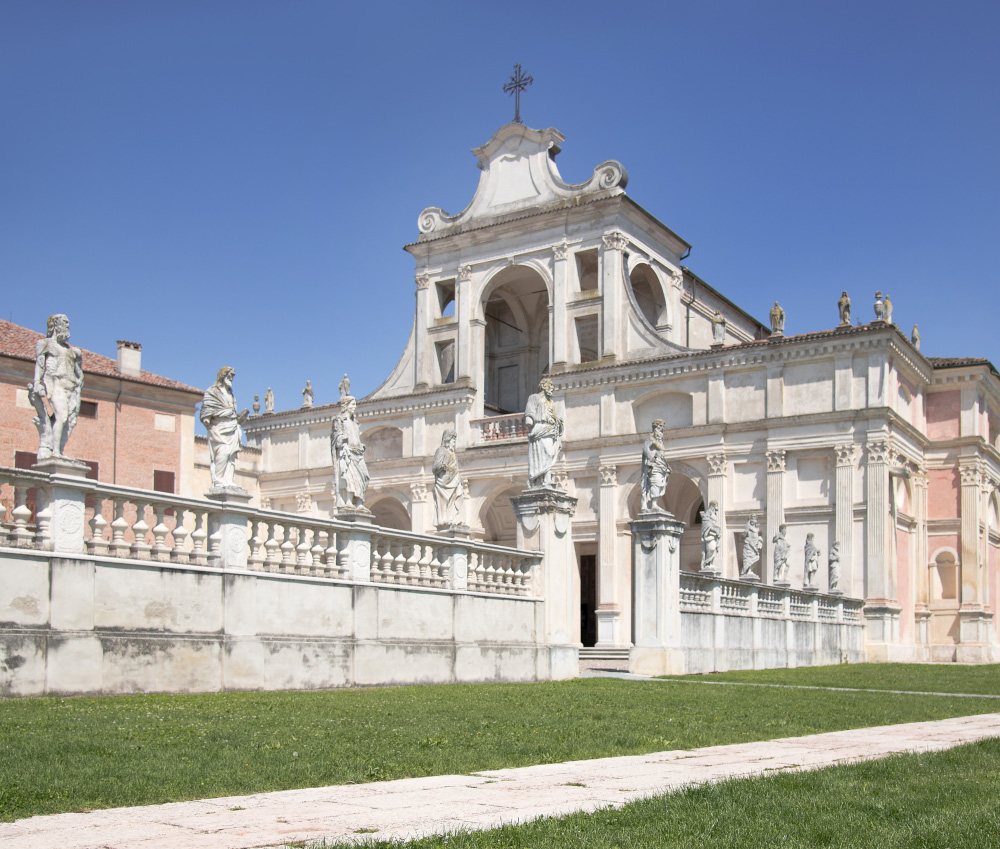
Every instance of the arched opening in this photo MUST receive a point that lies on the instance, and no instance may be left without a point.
(498, 520)
(516, 310)
(648, 294)
(390, 513)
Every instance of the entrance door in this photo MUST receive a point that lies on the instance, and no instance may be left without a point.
(588, 599)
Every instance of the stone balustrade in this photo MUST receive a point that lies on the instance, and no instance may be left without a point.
(499, 428)
(704, 594)
(125, 523)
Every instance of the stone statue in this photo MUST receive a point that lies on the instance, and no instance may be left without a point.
(449, 490)
(307, 395)
(811, 561)
(256, 405)
(269, 401)
(777, 320)
(545, 431)
(835, 567)
(844, 305)
(718, 329)
(225, 436)
(58, 377)
(781, 549)
(350, 468)
(345, 388)
(915, 337)
(887, 310)
(879, 307)
(752, 545)
(655, 469)
(711, 534)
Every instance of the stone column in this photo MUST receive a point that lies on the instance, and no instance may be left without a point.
(477, 362)
(717, 467)
(612, 246)
(844, 514)
(973, 620)
(421, 355)
(418, 507)
(557, 322)
(228, 524)
(464, 353)
(775, 510)
(609, 610)
(656, 611)
(921, 611)
(881, 609)
(62, 503)
(544, 523)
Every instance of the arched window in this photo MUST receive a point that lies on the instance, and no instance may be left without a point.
(648, 294)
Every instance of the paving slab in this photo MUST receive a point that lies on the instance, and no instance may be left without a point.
(415, 807)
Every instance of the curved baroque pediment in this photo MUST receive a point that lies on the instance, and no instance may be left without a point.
(519, 173)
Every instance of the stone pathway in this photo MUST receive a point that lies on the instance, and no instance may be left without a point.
(415, 807)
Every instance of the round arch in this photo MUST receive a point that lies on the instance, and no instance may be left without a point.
(390, 512)
(648, 292)
(497, 516)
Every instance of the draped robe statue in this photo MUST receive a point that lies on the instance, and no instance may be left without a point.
(449, 490)
(545, 431)
(225, 436)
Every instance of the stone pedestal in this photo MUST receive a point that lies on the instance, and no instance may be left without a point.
(62, 503)
(882, 631)
(544, 523)
(227, 526)
(657, 612)
(973, 629)
(456, 556)
(354, 547)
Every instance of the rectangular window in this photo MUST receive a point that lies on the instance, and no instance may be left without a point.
(24, 459)
(446, 360)
(88, 409)
(586, 270)
(586, 338)
(163, 481)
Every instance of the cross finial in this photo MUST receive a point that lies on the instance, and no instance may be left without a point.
(518, 83)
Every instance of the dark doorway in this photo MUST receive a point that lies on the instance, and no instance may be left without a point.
(588, 599)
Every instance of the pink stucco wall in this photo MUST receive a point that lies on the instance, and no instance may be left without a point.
(944, 410)
(943, 494)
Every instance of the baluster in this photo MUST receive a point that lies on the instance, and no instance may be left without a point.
(399, 562)
(179, 553)
(97, 544)
(385, 561)
(43, 521)
(317, 553)
(287, 550)
(303, 560)
(140, 550)
(508, 575)
(479, 578)
(21, 535)
(413, 564)
(378, 544)
(119, 548)
(257, 552)
(273, 547)
(437, 568)
(199, 540)
(214, 542)
(332, 567)
(424, 565)
(160, 550)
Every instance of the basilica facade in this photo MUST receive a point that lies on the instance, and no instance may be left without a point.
(847, 435)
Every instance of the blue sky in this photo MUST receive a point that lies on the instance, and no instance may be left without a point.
(233, 182)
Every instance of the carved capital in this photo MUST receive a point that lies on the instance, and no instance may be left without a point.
(560, 477)
(614, 241)
(845, 454)
(418, 491)
(303, 502)
(561, 250)
(423, 281)
(775, 460)
(464, 273)
(677, 278)
(716, 464)
(878, 451)
(265, 504)
(609, 475)
(971, 474)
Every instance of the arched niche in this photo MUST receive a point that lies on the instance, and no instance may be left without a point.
(945, 577)
(497, 517)
(515, 309)
(675, 408)
(390, 513)
(647, 290)
(383, 443)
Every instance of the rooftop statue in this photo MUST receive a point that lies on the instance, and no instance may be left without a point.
(269, 401)
(777, 320)
(59, 378)
(449, 490)
(887, 310)
(844, 305)
(915, 337)
(225, 436)
(349, 466)
(307, 395)
(545, 432)
(655, 469)
(718, 329)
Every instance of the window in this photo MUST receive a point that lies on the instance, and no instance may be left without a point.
(88, 409)
(446, 297)
(446, 360)
(586, 269)
(163, 481)
(586, 338)
(24, 459)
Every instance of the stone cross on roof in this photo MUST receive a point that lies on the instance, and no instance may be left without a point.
(518, 83)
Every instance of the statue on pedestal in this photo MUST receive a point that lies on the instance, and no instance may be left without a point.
(752, 545)
(711, 534)
(545, 431)
(655, 469)
(269, 401)
(811, 563)
(835, 567)
(350, 468)
(781, 550)
(777, 320)
(887, 310)
(307, 395)
(449, 490)
(844, 305)
(225, 436)
(59, 378)
(718, 329)
(915, 337)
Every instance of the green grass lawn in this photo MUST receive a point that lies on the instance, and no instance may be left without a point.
(925, 801)
(930, 678)
(83, 753)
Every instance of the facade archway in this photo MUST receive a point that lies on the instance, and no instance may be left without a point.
(515, 308)
(390, 513)
(497, 517)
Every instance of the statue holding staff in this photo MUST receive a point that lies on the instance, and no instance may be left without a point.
(58, 378)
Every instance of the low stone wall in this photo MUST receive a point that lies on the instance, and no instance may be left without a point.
(90, 625)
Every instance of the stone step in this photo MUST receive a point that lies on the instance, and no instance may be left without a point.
(593, 653)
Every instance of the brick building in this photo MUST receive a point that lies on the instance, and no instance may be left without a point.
(135, 428)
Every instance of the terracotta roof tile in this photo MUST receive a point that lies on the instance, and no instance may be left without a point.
(19, 342)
